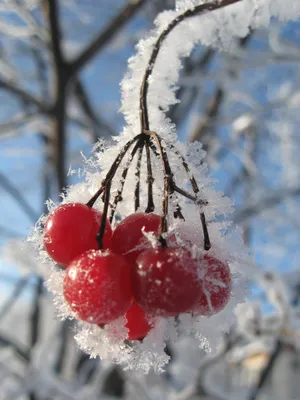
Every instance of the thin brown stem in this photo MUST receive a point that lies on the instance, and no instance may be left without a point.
(105, 36)
(177, 212)
(201, 9)
(100, 234)
(138, 178)
(200, 202)
(167, 176)
(150, 180)
(118, 196)
(113, 169)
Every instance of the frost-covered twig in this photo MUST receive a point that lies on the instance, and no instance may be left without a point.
(202, 8)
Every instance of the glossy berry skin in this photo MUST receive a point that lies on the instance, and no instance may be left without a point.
(137, 322)
(215, 286)
(128, 234)
(71, 229)
(164, 281)
(97, 287)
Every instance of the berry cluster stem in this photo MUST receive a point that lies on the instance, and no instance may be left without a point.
(150, 180)
(151, 140)
(201, 9)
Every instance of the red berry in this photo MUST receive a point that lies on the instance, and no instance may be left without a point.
(128, 239)
(97, 286)
(165, 281)
(71, 229)
(136, 322)
(215, 286)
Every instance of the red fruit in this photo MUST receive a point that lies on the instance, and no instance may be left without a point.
(165, 281)
(215, 286)
(71, 229)
(128, 239)
(136, 322)
(97, 287)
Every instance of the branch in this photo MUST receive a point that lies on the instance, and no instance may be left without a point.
(180, 110)
(266, 203)
(52, 13)
(15, 123)
(87, 108)
(17, 195)
(24, 96)
(267, 370)
(106, 35)
(210, 113)
(17, 291)
(15, 346)
(216, 102)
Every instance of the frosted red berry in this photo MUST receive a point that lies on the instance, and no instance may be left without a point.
(165, 281)
(215, 286)
(137, 322)
(71, 229)
(97, 287)
(128, 239)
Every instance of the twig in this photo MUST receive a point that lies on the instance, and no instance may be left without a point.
(105, 36)
(92, 115)
(24, 354)
(267, 370)
(177, 212)
(207, 244)
(138, 177)
(100, 234)
(24, 96)
(19, 198)
(118, 196)
(8, 304)
(202, 8)
(150, 180)
(113, 169)
(211, 111)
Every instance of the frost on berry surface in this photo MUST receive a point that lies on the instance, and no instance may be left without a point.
(213, 29)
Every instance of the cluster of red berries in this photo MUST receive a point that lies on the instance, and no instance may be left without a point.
(129, 277)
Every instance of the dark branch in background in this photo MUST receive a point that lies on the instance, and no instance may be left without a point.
(210, 113)
(52, 12)
(98, 125)
(4, 341)
(60, 78)
(217, 100)
(17, 291)
(9, 187)
(35, 320)
(105, 35)
(265, 204)
(36, 313)
(187, 96)
(278, 348)
(267, 370)
(63, 334)
(24, 96)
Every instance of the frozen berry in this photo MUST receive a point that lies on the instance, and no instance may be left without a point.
(71, 229)
(137, 322)
(165, 281)
(97, 286)
(215, 286)
(128, 238)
